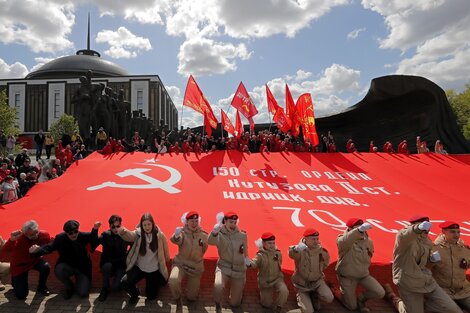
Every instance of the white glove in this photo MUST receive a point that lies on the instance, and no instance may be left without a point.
(425, 226)
(178, 231)
(217, 228)
(364, 227)
(247, 261)
(435, 257)
(300, 247)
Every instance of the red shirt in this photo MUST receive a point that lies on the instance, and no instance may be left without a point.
(21, 260)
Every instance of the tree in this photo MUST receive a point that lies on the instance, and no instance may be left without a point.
(7, 116)
(460, 104)
(466, 130)
(66, 124)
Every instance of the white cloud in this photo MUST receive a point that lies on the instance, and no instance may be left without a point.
(302, 75)
(355, 33)
(436, 30)
(15, 70)
(42, 26)
(202, 56)
(263, 18)
(123, 43)
(332, 92)
(143, 11)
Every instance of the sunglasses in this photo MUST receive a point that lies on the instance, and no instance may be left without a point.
(73, 232)
(115, 226)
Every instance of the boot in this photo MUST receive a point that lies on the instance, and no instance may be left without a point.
(316, 302)
(218, 308)
(103, 294)
(391, 296)
(361, 304)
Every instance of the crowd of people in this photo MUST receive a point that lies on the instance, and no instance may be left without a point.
(187, 141)
(429, 276)
(17, 175)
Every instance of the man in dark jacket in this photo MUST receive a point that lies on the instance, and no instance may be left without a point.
(113, 256)
(74, 259)
(39, 140)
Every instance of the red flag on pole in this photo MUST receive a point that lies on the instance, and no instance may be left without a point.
(194, 98)
(282, 121)
(243, 103)
(272, 103)
(207, 125)
(292, 113)
(304, 108)
(227, 125)
(238, 126)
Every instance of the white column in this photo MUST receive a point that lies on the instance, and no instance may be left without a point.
(17, 100)
(55, 102)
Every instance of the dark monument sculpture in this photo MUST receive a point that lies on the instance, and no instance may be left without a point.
(96, 105)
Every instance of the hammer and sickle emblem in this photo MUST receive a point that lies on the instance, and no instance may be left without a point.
(152, 182)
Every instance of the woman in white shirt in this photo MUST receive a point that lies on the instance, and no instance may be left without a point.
(146, 259)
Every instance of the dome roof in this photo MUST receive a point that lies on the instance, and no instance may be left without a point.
(73, 66)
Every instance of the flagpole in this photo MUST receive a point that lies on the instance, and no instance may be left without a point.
(182, 106)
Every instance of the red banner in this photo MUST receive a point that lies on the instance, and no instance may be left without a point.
(304, 108)
(292, 113)
(226, 124)
(273, 106)
(194, 98)
(243, 103)
(282, 121)
(281, 193)
(238, 126)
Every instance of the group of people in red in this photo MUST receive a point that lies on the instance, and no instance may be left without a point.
(265, 141)
(429, 275)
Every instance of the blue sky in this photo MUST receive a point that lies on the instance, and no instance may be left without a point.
(331, 49)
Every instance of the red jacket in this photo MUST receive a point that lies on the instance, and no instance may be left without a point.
(21, 260)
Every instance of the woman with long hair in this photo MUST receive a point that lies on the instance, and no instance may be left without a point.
(146, 259)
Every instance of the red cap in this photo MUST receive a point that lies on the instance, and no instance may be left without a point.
(449, 225)
(418, 218)
(353, 222)
(311, 232)
(192, 214)
(268, 236)
(231, 215)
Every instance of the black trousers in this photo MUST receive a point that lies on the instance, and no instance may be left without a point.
(20, 282)
(153, 282)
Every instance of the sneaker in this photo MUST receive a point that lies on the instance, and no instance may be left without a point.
(103, 294)
(44, 291)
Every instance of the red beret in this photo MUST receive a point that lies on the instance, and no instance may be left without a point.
(268, 236)
(353, 222)
(311, 232)
(192, 214)
(449, 225)
(231, 215)
(418, 218)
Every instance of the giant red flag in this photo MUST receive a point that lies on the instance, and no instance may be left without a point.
(238, 126)
(272, 103)
(226, 124)
(292, 113)
(304, 108)
(194, 98)
(243, 103)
